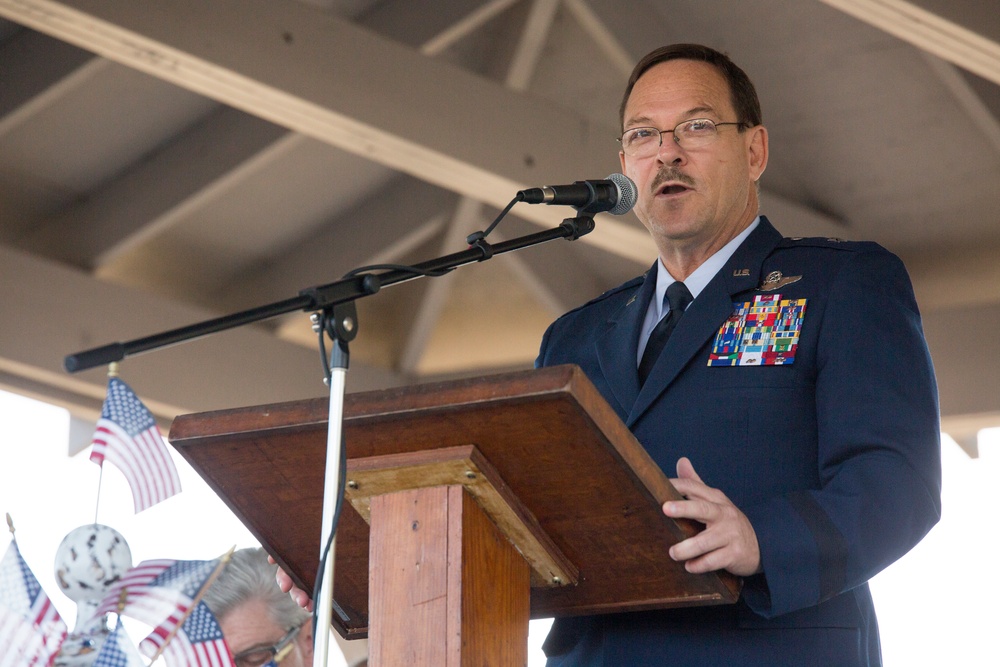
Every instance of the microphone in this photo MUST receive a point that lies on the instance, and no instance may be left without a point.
(616, 194)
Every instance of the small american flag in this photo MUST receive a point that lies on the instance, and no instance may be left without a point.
(136, 603)
(159, 592)
(197, 643)
(127, 436)
(31, 630)
(118, 650)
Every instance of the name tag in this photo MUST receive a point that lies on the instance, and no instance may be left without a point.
(762, 332)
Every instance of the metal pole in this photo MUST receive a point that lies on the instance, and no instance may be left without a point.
(331, 490)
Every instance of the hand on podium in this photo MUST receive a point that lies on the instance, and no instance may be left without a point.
(728, 541)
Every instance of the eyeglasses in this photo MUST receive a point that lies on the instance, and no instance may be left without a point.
(642, 142)
(258, 656)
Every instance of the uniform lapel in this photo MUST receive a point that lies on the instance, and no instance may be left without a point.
(706, 314)
(617, 347)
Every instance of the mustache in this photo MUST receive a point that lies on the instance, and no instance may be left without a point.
(667, 174)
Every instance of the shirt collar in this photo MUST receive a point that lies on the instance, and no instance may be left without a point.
(701, 276)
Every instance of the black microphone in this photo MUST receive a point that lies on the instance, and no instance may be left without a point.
(616, 195)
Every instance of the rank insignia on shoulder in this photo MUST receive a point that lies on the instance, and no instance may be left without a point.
(775, 280)
(762, 332)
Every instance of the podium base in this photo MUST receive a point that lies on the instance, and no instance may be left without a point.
(447, 588)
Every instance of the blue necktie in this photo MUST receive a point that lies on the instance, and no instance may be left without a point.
(678, 297)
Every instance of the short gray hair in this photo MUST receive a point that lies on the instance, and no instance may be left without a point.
(248, 576)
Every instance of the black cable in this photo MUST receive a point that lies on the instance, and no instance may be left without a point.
(327, 373)
(317, 587)
(397, 267)
(475, 237)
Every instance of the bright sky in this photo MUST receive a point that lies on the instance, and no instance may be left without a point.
(936, 606)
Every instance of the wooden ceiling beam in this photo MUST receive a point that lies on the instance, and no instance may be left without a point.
(963, 32)
(329, 79)
(57, 310)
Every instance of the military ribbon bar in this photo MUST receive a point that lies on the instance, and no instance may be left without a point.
(762, 332)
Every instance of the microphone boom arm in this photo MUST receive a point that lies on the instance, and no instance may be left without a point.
(323, 296)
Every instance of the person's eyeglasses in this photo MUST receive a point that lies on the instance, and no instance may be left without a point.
(642, 142)
(258, 656)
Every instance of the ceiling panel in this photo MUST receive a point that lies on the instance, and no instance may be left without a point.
(260, 152)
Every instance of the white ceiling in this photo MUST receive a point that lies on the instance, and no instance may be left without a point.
(165, 163)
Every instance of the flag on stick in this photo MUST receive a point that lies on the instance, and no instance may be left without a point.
(128, 437)
(129, 596)
(197, 643)
(31, 630)
(160, 592)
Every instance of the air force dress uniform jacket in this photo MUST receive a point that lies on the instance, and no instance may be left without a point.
(831, 447)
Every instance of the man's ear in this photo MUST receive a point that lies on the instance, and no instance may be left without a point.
(757, 151)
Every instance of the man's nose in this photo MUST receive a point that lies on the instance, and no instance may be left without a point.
(670, 152)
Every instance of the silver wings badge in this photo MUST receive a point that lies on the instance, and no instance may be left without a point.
(775, 280)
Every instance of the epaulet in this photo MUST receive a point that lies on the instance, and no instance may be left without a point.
(606, 295)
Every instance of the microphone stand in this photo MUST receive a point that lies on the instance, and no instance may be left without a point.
(340, 323)
(337, 318)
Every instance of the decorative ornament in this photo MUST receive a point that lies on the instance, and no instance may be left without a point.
(88, 562)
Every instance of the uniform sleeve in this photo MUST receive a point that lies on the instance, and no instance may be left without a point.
(879, 454)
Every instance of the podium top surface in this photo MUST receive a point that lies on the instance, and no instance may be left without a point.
(548, 433)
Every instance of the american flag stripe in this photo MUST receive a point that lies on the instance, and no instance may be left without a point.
(143, 459)
(213, 653)
(110, 446)
(179, 651)
(140, 458)
(30, 625)
(135, 580)
(141, 497)
(26, 644)
(128, 437)
(161, 634)
(51, 628)
(148, 607)
(160, 593)
(143, 604)
(16, 634)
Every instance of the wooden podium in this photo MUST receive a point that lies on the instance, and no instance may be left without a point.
(474, 504)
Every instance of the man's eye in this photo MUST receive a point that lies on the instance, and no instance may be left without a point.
(699, 125)
(640, 135)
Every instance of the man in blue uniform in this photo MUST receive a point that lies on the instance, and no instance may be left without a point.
(786, 381)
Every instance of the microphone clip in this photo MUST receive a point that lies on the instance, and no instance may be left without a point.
(578, 226)
(478, 240)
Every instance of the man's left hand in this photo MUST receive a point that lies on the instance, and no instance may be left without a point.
(728, 541)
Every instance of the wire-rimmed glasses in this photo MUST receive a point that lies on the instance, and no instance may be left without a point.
(261, 655)
(642, 142)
